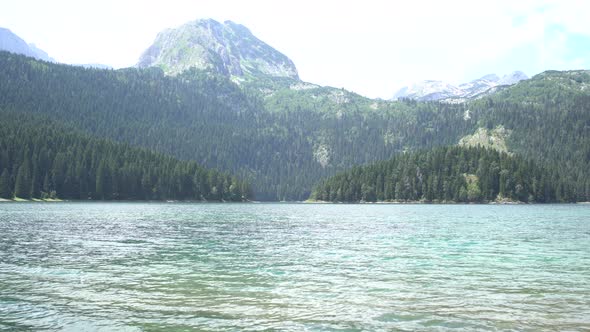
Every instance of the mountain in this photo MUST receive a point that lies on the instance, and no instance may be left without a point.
(10, 42)
(439, 90)
(512, 78)
(40, 54)
(428, 90)
(286, 139)
(227, 48)
(282, 144)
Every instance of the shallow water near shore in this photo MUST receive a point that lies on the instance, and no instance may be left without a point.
(293, 267)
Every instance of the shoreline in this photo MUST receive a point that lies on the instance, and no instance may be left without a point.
(442, 203)
(36, 200)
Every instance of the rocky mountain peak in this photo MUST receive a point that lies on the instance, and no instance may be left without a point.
(228, 48)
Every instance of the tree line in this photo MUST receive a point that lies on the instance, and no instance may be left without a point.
(452, 174)
(41, 159)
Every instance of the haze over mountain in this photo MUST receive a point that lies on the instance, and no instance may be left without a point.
(227, 48)
(438, 90)
(10, 42)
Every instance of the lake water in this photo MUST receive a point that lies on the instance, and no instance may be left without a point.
(293, 267)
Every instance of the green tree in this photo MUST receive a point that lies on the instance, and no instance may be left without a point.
(5, 187)
(22, 187)
(103, 181)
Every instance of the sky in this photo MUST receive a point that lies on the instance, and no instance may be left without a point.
(372, 47)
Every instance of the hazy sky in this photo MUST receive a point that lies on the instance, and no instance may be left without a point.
(371, 47)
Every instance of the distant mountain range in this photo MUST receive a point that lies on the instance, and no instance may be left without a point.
(230, 49)
(438, 90)
(12, 43)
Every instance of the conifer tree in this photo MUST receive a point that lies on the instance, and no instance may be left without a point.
(5, 186)
(22, 187)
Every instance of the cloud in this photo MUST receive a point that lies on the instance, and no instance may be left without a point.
(532, 36)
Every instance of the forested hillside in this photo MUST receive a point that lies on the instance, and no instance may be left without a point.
(548, 115)
(205, 118)
(285, 135)
(452, 174)
(41, 159)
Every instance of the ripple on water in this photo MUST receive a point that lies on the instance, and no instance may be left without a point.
(133, 267)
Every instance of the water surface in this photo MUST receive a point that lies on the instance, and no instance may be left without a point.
(293, 267)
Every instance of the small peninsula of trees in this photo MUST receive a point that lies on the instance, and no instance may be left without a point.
(451, 174)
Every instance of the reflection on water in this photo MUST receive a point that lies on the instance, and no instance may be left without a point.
(133, 267)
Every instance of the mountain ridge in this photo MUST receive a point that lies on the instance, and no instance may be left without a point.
(431, 90)
(11, 42)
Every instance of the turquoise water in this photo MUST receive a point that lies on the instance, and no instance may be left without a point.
(294, 267)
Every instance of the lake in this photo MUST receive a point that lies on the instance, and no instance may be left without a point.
(293, 267)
